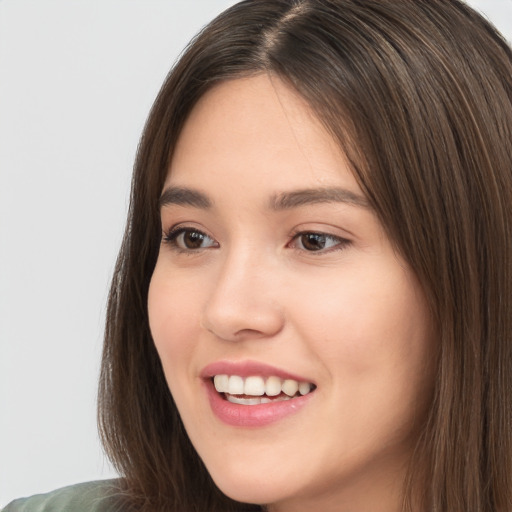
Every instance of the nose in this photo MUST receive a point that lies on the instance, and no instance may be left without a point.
(244, 303)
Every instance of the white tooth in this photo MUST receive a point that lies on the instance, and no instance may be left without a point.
(254, 386)
(236, 385)
(243, 401)
(255, 400)
(221, 383)
(273, 386)
(290, 387)
(304, 388)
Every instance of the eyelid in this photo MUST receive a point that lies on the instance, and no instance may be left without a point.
(342, 242)
(170, 236)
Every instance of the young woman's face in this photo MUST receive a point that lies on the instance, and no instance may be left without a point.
(295, 341)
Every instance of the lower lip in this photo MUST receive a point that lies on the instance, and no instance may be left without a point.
(259, 415)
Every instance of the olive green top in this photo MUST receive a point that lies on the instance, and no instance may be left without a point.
(97, 496)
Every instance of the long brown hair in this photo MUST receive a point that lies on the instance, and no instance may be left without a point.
(418, 93)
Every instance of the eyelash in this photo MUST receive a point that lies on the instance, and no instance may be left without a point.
(339, 242)
(172, 236)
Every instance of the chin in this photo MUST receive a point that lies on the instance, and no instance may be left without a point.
(249, 488)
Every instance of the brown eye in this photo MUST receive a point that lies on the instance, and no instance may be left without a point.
(318, 242)
(187, 239)
(192, 239)
(313, 241)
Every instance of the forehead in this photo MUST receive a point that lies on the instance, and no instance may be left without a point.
(256, 132)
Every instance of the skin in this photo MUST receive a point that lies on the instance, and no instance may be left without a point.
(350, 316)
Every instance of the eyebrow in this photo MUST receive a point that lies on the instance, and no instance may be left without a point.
(284, 201)
(296, 198)
(184, 196)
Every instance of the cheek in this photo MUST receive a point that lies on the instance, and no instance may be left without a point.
(173, 320)
(359, 310)
(371, 329)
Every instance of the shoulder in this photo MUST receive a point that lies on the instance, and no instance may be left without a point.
(97, 496)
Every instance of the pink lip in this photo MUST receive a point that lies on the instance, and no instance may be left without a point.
(238, 415)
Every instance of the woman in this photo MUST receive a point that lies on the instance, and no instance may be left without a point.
(311, 303)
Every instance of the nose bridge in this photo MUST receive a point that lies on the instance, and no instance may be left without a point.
(243, 302)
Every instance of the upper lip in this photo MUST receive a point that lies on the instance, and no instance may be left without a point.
(248, 369)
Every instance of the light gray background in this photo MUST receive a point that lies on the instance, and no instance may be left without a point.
(77, 80)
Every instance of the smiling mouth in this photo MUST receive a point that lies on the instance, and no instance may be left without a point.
(255, 390)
